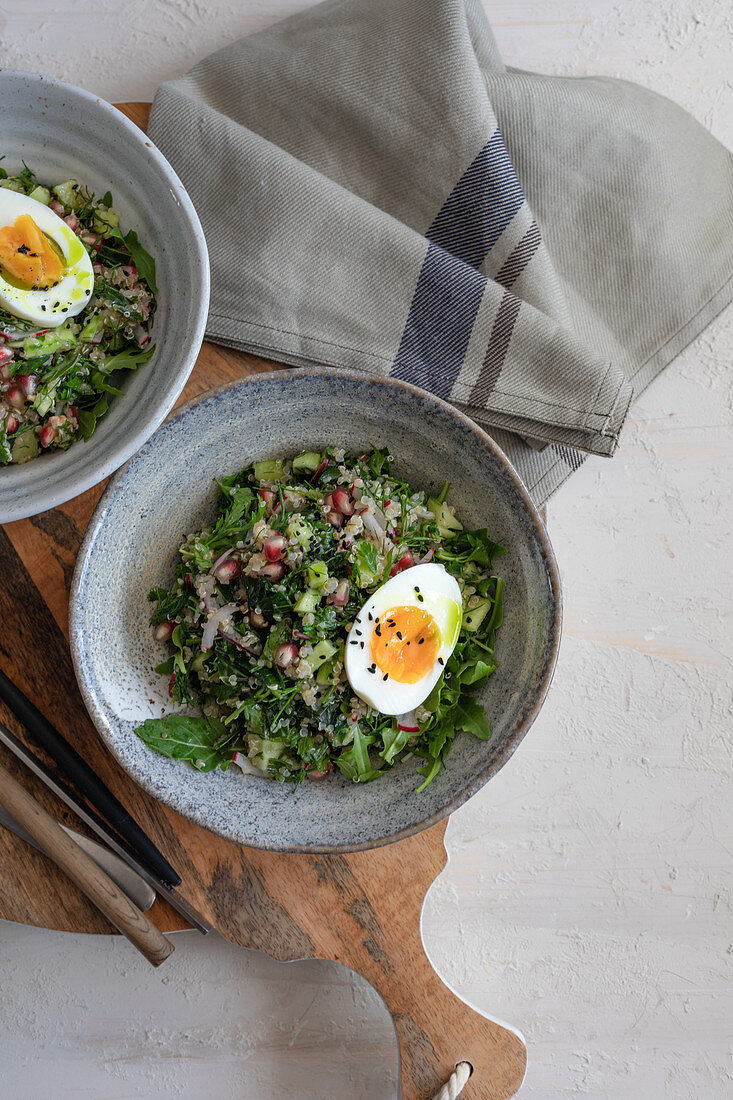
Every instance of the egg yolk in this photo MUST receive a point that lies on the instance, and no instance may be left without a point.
(27, 255)
(405, 643)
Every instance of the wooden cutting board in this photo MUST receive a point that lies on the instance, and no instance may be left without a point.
(362, 910)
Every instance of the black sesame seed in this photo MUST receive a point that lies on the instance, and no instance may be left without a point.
(357, 632)
(87, 292)
(416, 588)
(385, 677)
(441, 661)
(355, 643)
(421, 598)
(378, 632)
(369, 616)
(399, 635)
(43, 309)
(56, 304)
(65, 309)
(361, 644)
(420, 641)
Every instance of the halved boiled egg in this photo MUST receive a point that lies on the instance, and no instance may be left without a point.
(402, 638)
(45, 272)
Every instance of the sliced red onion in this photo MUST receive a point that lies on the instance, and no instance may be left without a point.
(274, 547)
(286, 655)
(214, 622)
(171, 682)
(372, 525)
(57, 208)
(221, 558)
(319, 471)
(72, 221)
(408, 722)
(47, 436)
(302, 637)
(426, 557)
(334, 518)
(237, 640)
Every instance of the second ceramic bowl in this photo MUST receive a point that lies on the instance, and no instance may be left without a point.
(168, 490)
(63, 132)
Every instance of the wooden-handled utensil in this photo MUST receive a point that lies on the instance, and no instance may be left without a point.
(98, 887)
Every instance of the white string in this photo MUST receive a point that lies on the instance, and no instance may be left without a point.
(456, 1081)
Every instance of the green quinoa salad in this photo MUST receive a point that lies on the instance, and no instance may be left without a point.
(77, 302)
(331, 617)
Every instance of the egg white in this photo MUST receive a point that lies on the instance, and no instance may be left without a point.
(53, 306)
(441, 599)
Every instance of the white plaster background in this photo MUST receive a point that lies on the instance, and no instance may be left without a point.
(588, 897)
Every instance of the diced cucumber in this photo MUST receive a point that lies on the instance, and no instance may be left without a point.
(25, 446)
(105, 219)
(308, 460)
(475, 616)
(324, 672)
(68, 194)
(317, 574)
(90, 329)
(301, 531)
(12, 185)
(269, 470)
(59, 339)
(308, 601)
(44, 400)
(448, 524)
(262, 750)
(322, 653)
(41, 194)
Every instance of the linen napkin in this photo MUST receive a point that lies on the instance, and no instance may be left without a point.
(379, 191)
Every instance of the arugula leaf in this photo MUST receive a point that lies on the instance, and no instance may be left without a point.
(129, 359)
(394, 741)
(471, 717)
(88, 417)
(141, 258)
(205, 742)
(354, 762)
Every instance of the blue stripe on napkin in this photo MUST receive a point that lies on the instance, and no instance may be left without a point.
(480, 206)
(439, 324)
(449, 288)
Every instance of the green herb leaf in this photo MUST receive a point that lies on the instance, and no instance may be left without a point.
(205, 742)
(470, 716)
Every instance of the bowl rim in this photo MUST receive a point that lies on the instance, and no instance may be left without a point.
(535, 697)
(40, 498)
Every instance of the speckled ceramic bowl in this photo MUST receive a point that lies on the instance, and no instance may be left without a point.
(63, 132)
(167, 490)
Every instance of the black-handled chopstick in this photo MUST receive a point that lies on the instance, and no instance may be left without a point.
(85, 779)
(101, 828)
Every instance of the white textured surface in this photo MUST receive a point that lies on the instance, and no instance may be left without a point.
(588, 896)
